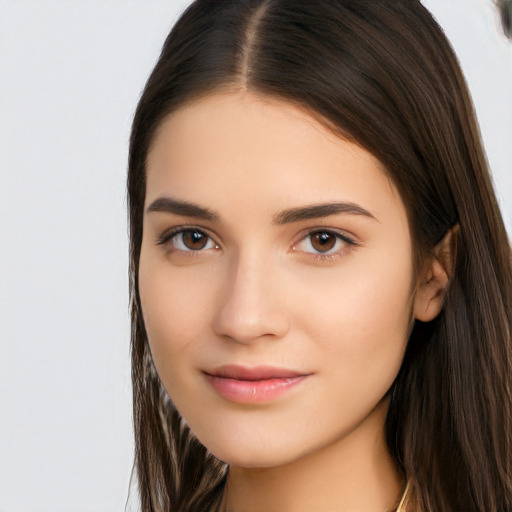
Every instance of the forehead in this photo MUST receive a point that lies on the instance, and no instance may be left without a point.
(242, 148)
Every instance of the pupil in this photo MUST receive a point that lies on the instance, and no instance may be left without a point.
(194, 240)
(323, 242)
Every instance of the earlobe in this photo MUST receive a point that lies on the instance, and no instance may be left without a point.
(436, 278)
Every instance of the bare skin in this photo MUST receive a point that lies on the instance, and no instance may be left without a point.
(356, 474)
(271, 243)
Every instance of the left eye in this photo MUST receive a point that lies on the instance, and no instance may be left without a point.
(323, 242)
(191, 240)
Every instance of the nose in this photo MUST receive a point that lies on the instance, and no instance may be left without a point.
(249, 306)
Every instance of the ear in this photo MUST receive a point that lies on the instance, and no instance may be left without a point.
(436, 276)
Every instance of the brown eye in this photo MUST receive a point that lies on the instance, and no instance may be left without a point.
(324, 244)
(194, 240)
(323, 241)
(188, 240)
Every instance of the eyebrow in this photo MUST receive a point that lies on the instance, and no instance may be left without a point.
(316, 211)
(168, 205)
(319, 211)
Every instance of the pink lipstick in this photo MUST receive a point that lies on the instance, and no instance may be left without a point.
(253, 385)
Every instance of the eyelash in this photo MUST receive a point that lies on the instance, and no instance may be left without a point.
(166, 238)
(325, 257)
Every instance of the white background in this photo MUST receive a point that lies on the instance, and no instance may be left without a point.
(70, 76)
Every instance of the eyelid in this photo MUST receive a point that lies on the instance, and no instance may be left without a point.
(167, 235)
(165, 238)
(348, 240)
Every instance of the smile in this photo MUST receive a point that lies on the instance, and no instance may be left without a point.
(253, 385)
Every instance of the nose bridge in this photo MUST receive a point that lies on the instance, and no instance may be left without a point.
(249, 307)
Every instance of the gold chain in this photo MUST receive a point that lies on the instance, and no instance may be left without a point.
(404, 499)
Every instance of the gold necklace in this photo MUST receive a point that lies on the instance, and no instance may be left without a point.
(404, 499)
(400, 507)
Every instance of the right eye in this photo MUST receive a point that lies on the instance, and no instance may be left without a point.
(188, 240)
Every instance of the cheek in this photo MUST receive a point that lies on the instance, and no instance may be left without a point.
(174, 312)
(361, 315)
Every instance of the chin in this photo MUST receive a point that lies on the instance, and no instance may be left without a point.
(254, 451)
(254, 459)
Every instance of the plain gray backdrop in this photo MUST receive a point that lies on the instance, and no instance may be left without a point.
(70, 76)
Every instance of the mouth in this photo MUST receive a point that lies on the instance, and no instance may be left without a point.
(259, 384)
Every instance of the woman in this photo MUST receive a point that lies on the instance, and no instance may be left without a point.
(320, 275)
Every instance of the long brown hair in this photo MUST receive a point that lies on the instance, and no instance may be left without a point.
(380, 73)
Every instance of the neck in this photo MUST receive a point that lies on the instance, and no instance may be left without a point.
(354, 473)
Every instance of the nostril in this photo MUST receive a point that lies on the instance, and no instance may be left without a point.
(247, 309)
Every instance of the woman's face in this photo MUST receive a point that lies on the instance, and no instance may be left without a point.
(276, 278)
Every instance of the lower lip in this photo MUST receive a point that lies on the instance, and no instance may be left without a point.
(253, 391)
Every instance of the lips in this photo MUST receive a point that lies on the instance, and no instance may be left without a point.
(259, 384)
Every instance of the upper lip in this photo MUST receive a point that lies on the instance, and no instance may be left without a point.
(254, 373)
